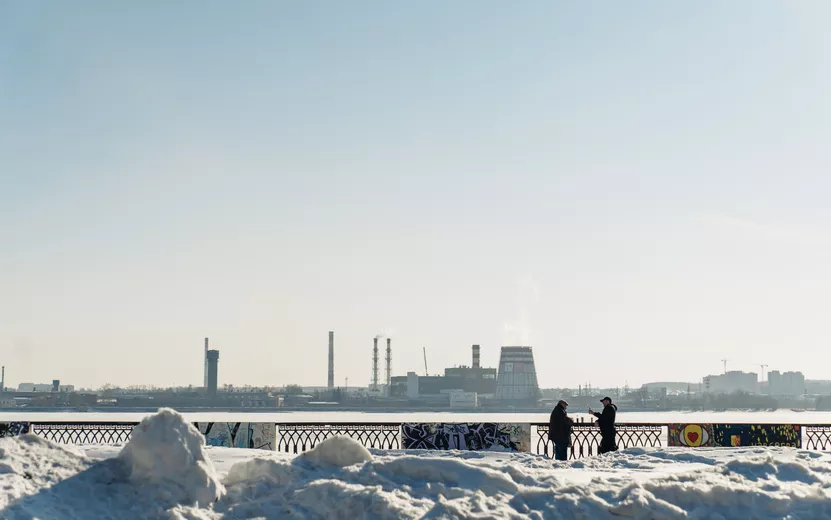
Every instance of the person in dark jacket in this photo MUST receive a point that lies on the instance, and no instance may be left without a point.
(559, 430)
(606, 422)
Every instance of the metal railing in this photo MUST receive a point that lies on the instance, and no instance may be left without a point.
(816, 437)
(585, 438)
(297, 438)
(84, 433)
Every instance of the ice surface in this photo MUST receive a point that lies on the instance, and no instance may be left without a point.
(42, 480)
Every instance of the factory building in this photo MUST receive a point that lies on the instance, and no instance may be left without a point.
(473, 379)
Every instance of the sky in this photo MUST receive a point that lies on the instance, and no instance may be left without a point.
(637, 190)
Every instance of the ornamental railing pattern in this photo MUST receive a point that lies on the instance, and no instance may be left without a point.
(816, 437)
(84, 433)
(585, 438)
(297, 438)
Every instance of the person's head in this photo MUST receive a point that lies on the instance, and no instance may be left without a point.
(606, 401)
(563, 403)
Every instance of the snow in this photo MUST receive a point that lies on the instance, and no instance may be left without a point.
(167, 472)
(167, 452)
(337, 451)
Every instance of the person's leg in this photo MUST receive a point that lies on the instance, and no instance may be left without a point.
(604, 446)
(561, 451)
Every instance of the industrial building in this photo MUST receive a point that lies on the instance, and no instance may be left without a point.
(56, 386)
(517, 379)
(213, 362)
(472, 380)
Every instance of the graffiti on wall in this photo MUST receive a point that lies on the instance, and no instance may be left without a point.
(729, 435)
(465, 436)
(261, 436)
(692, 435)
(13, 429)
(758, 435)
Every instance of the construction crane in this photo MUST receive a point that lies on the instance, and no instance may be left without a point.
(425, 360)
(763, 370)
(724, 361)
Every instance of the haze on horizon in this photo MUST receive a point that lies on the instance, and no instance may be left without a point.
(636, 190)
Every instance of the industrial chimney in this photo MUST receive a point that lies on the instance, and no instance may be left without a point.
(475, 356)
(389, 362)
(3, 379)
(331, 384)
(375, 363)
(213, 361)
(205, 362)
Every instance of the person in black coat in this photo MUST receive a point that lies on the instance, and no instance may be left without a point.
(606, 422)
(559, 430)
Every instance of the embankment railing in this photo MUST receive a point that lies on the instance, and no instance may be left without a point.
(297, 438)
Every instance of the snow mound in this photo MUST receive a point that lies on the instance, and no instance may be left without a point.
(168, 452)
(29, 463)
(337, 451)
(41, 480)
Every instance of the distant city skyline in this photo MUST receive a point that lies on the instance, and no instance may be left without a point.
(632, 190)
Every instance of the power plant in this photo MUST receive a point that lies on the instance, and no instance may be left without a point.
(331, 383)
(517, 376)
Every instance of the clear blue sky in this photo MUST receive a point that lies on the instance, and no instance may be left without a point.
(636, 189)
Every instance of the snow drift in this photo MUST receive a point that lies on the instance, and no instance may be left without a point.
(337, 451)
(167, 452)
(167, 472)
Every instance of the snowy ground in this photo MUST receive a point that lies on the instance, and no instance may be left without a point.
(167, 472)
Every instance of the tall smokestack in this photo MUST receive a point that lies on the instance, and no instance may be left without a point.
(213, 372)
(475, 356)
(375, 363)
(389, 362)
(3, 379)
(205, 377)
(331, 360)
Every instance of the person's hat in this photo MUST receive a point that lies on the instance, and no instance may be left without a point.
(606, 399)
(563, 401)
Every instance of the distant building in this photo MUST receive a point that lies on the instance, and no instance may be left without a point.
(786, 384)
(517, 377)
(733, 381)
(467, 400)
(44, 388)
(475, 379)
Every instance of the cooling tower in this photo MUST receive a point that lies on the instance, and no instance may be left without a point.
(517, 376)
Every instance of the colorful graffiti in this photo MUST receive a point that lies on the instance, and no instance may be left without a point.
(691, 435)
(13, 429)
(465, 436)
(758, 435)
(730, 435)
(260, 436)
